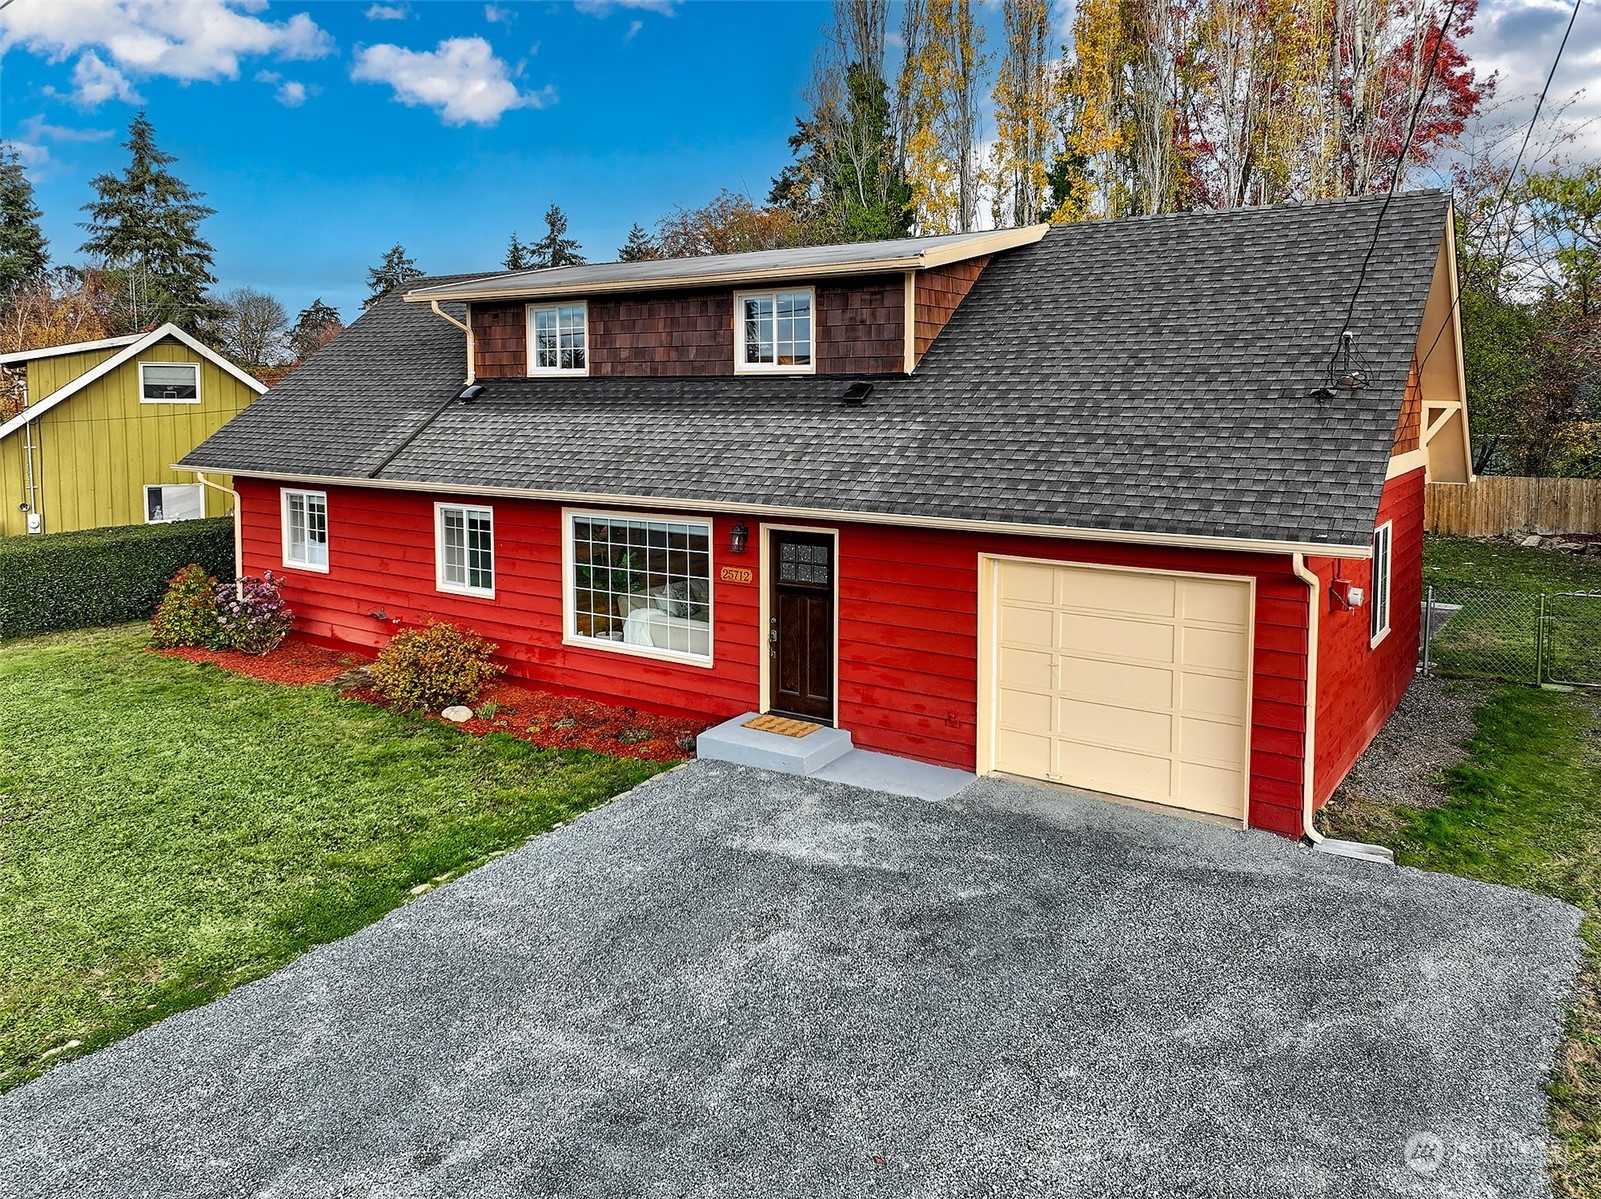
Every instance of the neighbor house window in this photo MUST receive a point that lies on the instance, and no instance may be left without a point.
(306, 529)
(465, 541)
(166, 502)
(640, 586)
(558, 339)
(773, 331)
(1379, 601)
(169, 382)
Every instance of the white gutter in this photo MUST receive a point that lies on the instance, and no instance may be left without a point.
(1314, 597)
(238, 531)
(897, 519)
(472, 366)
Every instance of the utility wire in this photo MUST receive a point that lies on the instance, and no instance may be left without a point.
(1506, 184)
(1400, 165)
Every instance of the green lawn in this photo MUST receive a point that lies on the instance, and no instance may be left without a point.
(169, 831)
(1524, 810)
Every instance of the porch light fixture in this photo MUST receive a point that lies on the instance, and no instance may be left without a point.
(737, 537)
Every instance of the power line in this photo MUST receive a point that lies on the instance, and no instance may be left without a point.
(1506, 184)
(1400, 164)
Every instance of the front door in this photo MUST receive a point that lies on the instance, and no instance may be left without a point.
(800, 634)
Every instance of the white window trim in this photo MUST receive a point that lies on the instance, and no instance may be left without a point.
(1388, 533)
(569, 609)
(741, 367)
(528, 334)
(144, 400)
(196, 487)
(283, 509)
(440, 583)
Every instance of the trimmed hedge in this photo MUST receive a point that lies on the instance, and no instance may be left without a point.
(55, 581)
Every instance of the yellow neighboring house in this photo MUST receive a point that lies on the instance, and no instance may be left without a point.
(104, 422)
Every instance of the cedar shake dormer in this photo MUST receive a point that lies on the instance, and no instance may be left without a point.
(867, 309)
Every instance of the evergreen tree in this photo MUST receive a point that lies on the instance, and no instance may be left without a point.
(24, 254)
(519, 255)
(395, 269)
(640, 247)
(556, 248)
(144, 229)
(314, 328)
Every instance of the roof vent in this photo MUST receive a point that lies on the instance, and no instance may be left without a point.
(471, 392)
(855, 394)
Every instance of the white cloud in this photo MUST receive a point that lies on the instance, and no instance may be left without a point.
(94, 82)
(462, 80)
(30, 154)
(292, 94)
(633, 30)
(116, 39)
(267, 76)
(387, 12)
(498, 16)
(36, 127)
(1516, 40)
(600, 8)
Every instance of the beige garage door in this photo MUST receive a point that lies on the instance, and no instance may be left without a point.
(1128, 683)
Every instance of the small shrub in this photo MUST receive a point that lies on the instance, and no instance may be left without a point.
(251, 615)
(424, 670)
(187, 614)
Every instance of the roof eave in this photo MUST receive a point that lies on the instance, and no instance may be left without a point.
(1319, 549)
(72, 347)
(934, 256)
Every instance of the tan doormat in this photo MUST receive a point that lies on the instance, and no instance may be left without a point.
(783, 726)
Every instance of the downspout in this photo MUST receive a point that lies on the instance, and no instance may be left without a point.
(472, 371)
(1314, 597)
(238, 531)
(35, 518)
(437, 412)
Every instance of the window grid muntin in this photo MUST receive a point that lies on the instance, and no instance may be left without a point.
(466, 548)
(306, 528)
(621, 562)
(559, 339)
(776, 330)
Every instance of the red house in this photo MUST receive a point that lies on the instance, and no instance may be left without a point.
(1135, 506)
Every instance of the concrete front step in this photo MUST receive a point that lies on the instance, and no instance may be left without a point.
(828, 754)
(731, 741)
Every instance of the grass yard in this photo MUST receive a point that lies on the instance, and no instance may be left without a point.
(1524, 809)
(169, 830)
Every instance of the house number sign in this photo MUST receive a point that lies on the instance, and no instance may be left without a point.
(736, 574)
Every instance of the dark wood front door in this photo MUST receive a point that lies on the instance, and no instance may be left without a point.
(800, 634)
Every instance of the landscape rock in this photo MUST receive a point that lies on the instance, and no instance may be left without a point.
(1531, 542)
(458, 713)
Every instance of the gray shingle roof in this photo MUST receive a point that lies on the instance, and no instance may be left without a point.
(1145, 376)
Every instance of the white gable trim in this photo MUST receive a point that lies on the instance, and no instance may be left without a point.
(72, 347)
(34, 411)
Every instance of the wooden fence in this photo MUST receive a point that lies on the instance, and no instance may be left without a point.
(1496, 504)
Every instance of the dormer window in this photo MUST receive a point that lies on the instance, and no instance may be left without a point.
(773, 332)
(558, 339)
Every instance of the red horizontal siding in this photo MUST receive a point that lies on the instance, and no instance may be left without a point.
(1358, 686)
(908, 622)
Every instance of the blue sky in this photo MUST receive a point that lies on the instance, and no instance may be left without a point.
(324, 132)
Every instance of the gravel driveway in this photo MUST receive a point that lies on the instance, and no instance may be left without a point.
(736, 984)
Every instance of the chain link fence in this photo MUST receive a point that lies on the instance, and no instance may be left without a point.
(1516, 636)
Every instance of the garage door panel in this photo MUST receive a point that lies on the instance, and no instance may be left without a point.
(1131, 684)
(1022, 581)
(1027, 711)
(1027, 626)
(1028, 669)
(1111, 637)
(1213, 694)
(1216, 741)
(1117, 771)
(1216, 649)
(1106, 591)
(1210, 789)
(1216, 602)
(1103, 724)
(1024, 753)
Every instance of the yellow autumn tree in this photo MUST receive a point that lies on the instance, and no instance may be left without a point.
(941, 85)
(1023, 103)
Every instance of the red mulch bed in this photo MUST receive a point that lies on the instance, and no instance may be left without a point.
(564, 722)
(544, 718)
(294, 662)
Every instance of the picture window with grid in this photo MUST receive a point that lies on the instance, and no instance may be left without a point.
(466, 546)
(641, 586)
(774, 331)
(558, 339)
